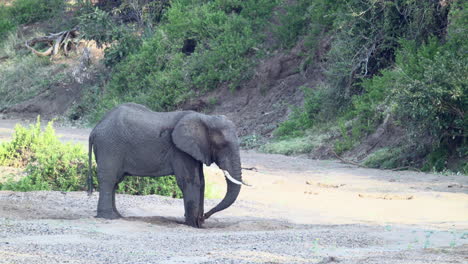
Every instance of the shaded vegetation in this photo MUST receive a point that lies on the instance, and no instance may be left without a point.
(27, 11)
(404, 59)
(197, 46)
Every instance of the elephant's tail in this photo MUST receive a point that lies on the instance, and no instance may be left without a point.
(90, 165)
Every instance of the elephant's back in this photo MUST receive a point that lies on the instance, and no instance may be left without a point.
(131, 120)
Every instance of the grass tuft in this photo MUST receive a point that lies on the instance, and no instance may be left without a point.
(294, 146)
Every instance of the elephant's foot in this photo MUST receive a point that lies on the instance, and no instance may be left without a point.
(108, 215)
(196, 222)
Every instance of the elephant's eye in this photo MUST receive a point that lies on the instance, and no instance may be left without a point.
(218, 139)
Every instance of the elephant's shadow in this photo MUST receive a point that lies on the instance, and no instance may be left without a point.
(246, 224)
(166, 221)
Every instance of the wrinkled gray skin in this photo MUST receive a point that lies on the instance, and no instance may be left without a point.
(132, 140)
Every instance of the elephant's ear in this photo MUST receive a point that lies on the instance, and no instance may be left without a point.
(191, 136)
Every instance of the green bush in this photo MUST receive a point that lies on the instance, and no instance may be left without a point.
(98, 25)
(371, 107)
(303, 117)
(304, 19)
(437, 160)
(386, 158)
(146, 13)
(431, 89)
(6, 23)
(427, 95)
(252, 141)
(127, 44)
(29, 11)
(53, 165)
(49, 163)
(367, 36)
(290, 146)
(197, 46)
(348, 138)
(404, 59)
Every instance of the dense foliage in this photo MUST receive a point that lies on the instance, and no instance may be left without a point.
(400, 59)
(52, 165)
(27, 11)
(196, 46)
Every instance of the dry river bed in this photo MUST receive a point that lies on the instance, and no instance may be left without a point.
(298, 211)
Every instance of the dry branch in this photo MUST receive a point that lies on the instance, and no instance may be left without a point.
(348, 161)
(64, 40)
(362, 166)
(250, 168)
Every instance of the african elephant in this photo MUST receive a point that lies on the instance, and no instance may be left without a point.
(133, 140)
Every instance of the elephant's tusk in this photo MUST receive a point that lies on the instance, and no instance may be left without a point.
(226, 173)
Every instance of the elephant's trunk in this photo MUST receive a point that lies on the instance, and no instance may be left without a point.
(233, 190)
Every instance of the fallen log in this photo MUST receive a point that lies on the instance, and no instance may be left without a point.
(65, 40)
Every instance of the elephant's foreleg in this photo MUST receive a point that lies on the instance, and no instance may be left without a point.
(202, 194)
(192, 184)
(193, 210)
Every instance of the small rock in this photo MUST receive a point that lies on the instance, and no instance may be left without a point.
(325, 185)
(329, 260)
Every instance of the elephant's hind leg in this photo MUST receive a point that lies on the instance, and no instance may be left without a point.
(106, 204)
(119, 180)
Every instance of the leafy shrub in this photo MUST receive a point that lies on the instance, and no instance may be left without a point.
(426, 92)
(6, 23)
(146, 13)
(163, 72)
(53, 165)
(437, 160)
(226, 60)
(365, 37)
(152, 76)
(293, 23)
(77, 113)
(290, 146)
(127, 44)
(50, 164)
(347, 140)
(368, 38)
(252, 141)
(304, 18)
(98, 25)
(29, 11)
(431, 89)
(405, 59)
(303, 117)
(371, 107)
(385, 158)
